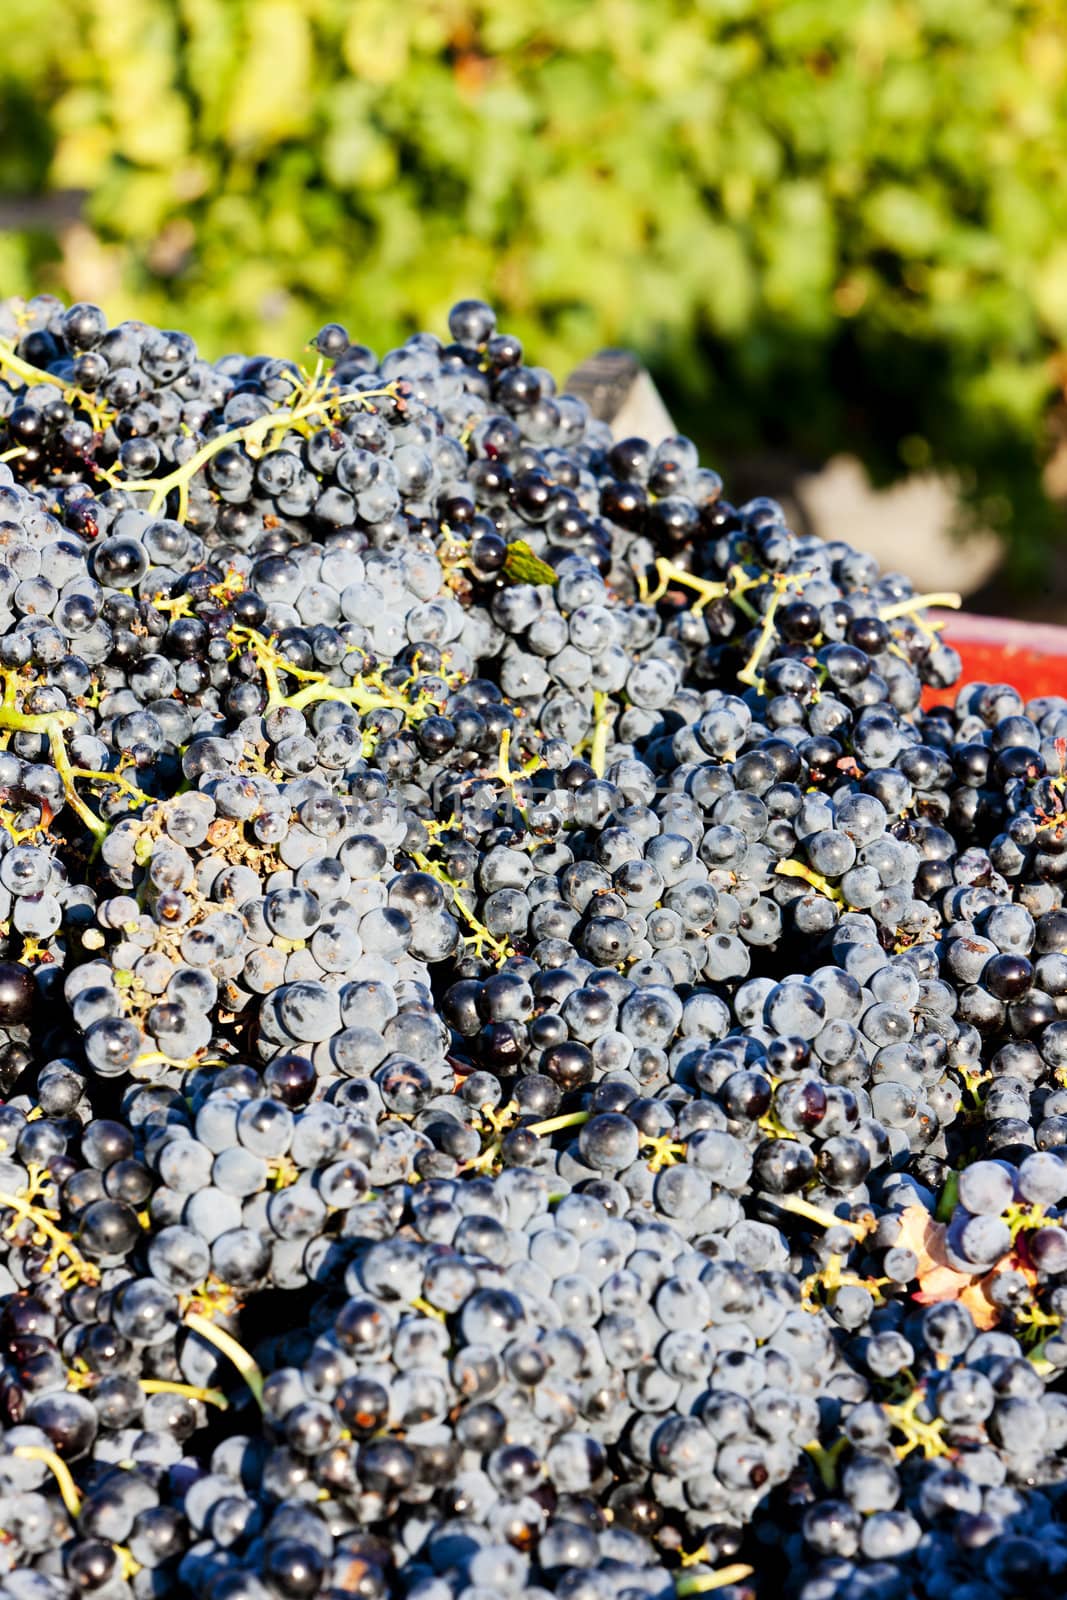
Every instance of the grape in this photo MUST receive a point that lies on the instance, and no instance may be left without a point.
(516, 1012)
(986, 1187)
(1042, 1179)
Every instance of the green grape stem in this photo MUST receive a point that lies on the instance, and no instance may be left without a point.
(574, 1119)
(31, 376)
(797, 869)
(191, 1391)
(69, 1492)
(800, 1207)
(602, 720)
(10, 362)
(228, 1346)
(783, 582)
(317, 686)
(479, 935)
(706, 1582)
(252, 435)
(668, 572)
(62, 1245)
(921, 602)
(52, 725)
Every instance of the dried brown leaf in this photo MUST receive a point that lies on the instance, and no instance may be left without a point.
(938, 1279)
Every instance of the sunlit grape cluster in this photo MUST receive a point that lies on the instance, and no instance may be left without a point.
(533, 1064)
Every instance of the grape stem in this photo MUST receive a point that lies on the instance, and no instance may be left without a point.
(479, 936)
(572, 1119)
(921, 602)
(602, 720)
(425, 1309)
(918, 1435)
(317, 686)
(228, 1346)
(950, 1194)
(252, 435)
(210, 1397)
(52, 725)
(800, 1207)
(668, 572)
(44, 1222)
(62, 763)
(69, 1492)
(783, 582)
(10, 362)
(796, 869)
(31, 375)
(705, 1582)
(825, 1459)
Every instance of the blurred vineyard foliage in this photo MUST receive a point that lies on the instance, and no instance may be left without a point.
(826, 224)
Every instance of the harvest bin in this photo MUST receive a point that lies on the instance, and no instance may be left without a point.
(1030, 656)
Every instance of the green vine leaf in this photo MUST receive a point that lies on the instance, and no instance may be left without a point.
(522, 566)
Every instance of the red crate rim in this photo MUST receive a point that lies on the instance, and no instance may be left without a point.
(1031, 656)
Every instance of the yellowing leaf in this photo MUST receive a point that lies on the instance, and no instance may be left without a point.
(376, 42)
(938, 1279)
(904, 220)
(271, 94)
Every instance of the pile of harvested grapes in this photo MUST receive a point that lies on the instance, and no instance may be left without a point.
(532, 1066)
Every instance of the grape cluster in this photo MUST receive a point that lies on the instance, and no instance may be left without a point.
(532, 1062)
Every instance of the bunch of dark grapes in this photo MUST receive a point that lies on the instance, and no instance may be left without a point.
(533, 1062)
